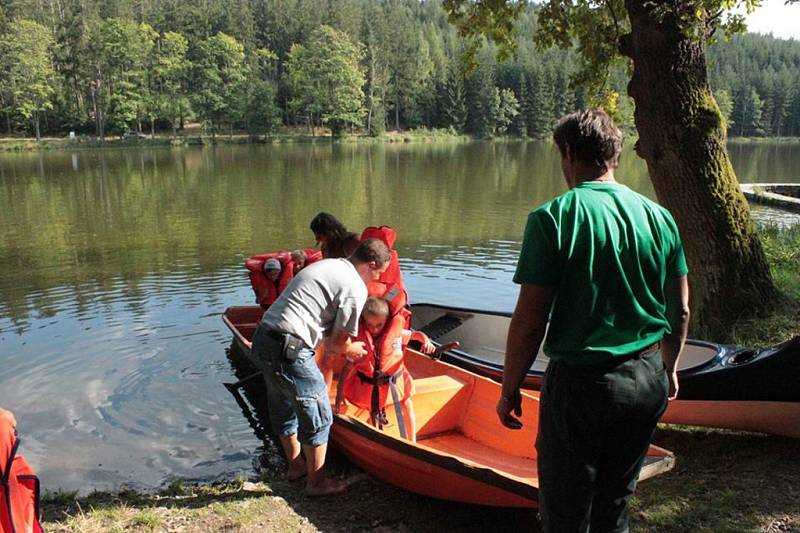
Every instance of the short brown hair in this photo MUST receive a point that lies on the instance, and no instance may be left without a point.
(372, 250)
(592, 137)
(376, 307)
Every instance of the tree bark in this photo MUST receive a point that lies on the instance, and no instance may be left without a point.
(682, 139)
(396, 110)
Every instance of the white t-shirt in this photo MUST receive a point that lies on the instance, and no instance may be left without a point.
(326, 295)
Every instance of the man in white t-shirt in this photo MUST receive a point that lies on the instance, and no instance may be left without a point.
(321, 304)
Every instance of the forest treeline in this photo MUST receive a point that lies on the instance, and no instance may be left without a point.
(106, 67)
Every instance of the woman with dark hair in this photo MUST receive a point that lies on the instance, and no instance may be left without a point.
(332, 236)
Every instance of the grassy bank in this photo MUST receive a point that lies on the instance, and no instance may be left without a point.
(781, 320)
(723, 482)
(197, 138)
(758, 140)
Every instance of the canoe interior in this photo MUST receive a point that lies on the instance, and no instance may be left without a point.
(483, 336)
(456, 421)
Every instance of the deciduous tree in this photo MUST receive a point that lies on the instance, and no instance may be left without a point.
(219, 73)
(27, 81)
(171, 70)
(681, 129)
(326, 78)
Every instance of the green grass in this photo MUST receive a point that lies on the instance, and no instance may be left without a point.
(781, 318)
(147, 519)
(760, 140)
(723, 481)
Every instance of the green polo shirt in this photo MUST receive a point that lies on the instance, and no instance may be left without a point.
(608, 251)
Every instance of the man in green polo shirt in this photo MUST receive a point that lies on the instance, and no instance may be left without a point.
(607, 265)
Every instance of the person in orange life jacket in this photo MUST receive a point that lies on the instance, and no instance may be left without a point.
(303, 258)
(19, 490)
(299, 259)
(272, 271)
(269, 275)
(374, 327)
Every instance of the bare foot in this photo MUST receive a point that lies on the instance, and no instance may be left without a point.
(328, 487)
(297, 470)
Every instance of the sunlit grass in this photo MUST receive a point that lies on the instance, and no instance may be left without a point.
(780, 319)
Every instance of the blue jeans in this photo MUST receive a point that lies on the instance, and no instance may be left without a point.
(297, 397)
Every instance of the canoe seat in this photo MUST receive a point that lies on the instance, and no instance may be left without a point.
(443, 325)
(437, 403)
(248, 330)
(436, 384)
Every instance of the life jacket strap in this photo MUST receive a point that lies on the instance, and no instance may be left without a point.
(376, 412)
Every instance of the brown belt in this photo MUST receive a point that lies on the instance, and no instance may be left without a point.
(653, 347)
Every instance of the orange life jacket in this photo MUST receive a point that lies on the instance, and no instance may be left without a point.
(312, 256)
(267, 291)
(392, 275)
(369, 384)
(19, 487)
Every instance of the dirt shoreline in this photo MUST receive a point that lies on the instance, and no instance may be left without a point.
(723, 481)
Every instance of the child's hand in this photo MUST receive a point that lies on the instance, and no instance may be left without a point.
(8, 416)
(427, 347)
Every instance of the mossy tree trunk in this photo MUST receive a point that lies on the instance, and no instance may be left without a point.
(682, 138)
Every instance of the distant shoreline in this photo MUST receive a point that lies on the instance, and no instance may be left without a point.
(26, 144)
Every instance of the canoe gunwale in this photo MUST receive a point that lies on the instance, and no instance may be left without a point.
(722, 354)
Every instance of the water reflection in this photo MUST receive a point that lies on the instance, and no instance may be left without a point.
(115, 265)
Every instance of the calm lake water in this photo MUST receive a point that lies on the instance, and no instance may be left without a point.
(116, 264)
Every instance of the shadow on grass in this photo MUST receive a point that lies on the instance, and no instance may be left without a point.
(371, 505)
(723, 481)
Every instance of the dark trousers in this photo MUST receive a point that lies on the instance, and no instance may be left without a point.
(595, 425)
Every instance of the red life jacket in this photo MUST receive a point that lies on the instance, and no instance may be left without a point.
(369, 383)
(266, 290)
(19, 489)
(312, 256)
(392, 275)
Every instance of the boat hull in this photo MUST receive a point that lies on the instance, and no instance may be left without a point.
(720, 386)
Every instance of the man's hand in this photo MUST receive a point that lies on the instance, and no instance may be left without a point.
(355, 352)
(504, 408)
(673, 384)
(8, 416)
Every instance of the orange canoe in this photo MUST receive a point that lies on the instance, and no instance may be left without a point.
(462, 452)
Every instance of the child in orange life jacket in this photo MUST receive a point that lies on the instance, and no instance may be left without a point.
(359, 379)
(272, 271)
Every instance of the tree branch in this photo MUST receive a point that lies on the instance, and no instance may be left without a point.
(610, 6)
